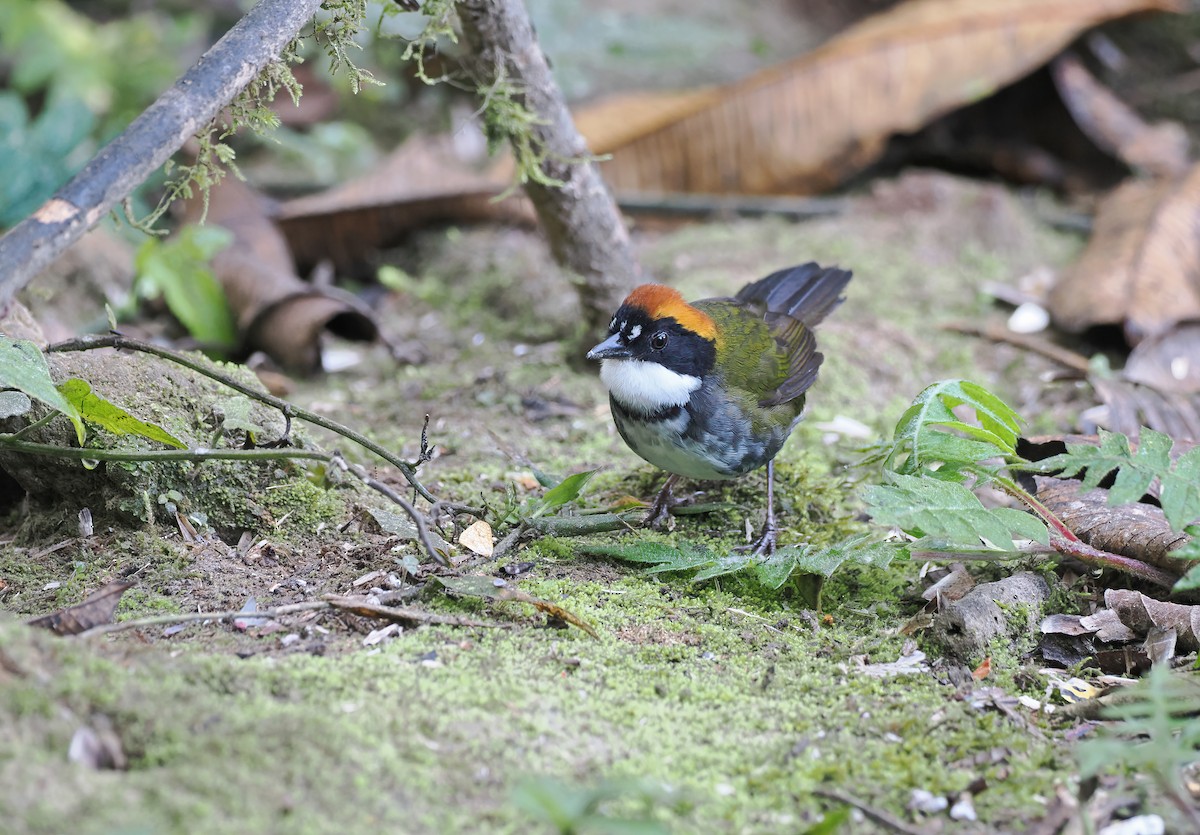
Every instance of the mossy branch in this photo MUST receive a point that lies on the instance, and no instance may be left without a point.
(289, 410)
(189, 108)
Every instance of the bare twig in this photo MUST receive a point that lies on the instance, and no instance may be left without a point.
(194, 101)
(164, 620)
(88, 343)
(7, 442)
(355, 605)
(1043, 347)
(361, 606)
(418, 520)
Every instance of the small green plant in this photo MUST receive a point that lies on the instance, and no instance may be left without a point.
(178, 272)
(937, 458)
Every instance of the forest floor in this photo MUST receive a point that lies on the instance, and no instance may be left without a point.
(715, 706)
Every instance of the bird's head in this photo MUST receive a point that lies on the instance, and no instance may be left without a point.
(658, 349)
(654, 324)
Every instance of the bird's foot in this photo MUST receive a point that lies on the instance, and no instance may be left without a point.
(660, 517)
(765, 545)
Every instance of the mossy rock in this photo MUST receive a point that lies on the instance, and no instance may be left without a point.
(230, 496)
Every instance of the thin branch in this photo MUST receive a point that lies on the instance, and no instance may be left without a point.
(418, 519)
(88, 343)
(355, 605)
(1043, 347)
(179, 113)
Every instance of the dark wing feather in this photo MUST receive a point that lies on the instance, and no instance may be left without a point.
(793, 302)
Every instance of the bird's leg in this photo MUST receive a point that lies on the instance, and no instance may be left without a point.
(660, 512)
(766, 543)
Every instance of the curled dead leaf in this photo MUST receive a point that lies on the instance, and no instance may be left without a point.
(424, 181)
(1160, 149)
(477, 538)
(97, 610)
(275, 310)
(806, 125)
(1133, 530)
(1143, 614)
(1141, 268)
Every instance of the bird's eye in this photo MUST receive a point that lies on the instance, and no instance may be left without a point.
(659, 341)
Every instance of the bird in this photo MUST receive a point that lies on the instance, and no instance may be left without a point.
(712, 389)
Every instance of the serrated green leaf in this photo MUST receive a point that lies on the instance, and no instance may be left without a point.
(649, 552)
(721, 566)
(23, 367)
(1180, 496)
(924, 436)
(660, 556)
(946, 509)
(565, 491)
(776, 569)
(95, 409)
(1152, 459)
(1136, 472)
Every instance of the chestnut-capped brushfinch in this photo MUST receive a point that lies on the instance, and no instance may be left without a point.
(712, 389)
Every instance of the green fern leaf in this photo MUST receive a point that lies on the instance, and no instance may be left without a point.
(1135, 472)
(946, 510)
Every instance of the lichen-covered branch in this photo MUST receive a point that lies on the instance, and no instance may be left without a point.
(178, 114)
(576, 210)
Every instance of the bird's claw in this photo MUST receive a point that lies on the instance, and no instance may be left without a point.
(765, 545)
(659, 518)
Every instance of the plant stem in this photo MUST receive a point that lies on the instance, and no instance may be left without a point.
(1066, 542)
(290, 410)
(1094, 556)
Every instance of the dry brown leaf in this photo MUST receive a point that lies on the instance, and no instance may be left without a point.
(1127, 407)
(1133, 530)
(1142, 614)
(275, 310)
(477, 538)
(98, 609)
(1141, 268)
(1160, 149)
(423, 181)
(807, 124)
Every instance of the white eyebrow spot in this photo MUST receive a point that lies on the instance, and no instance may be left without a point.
(612, 326)
(635, 331)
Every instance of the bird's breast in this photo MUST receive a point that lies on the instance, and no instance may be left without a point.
(646, 388)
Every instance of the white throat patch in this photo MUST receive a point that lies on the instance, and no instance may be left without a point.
(646, 386)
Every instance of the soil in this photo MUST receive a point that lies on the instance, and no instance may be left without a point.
(716, 706)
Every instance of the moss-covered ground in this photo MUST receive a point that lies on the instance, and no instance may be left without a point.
(731, 705)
